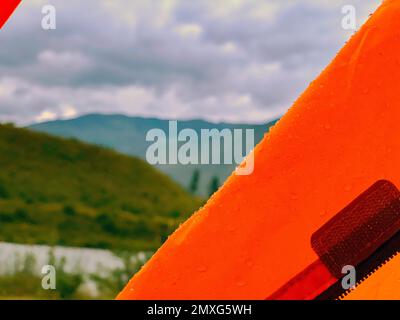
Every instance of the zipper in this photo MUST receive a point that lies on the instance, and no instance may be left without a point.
(347, 292)
(382, 256)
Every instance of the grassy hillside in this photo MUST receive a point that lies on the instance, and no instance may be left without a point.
(128, 135)
(64, 192)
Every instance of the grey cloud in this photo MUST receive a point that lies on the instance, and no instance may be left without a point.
(96, 53)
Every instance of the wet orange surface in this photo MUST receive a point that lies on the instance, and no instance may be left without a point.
(340, 136)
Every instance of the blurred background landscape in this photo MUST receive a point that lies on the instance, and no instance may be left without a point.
(63, 192)
(76, 103)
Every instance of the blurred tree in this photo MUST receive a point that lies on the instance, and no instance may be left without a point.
(194, 183)
(214, 185)
(69, 210)
(116, 279)
(3, 191)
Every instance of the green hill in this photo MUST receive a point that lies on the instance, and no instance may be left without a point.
(128, 135)
(63, 192)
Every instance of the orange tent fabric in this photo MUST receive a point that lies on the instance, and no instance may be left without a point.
(340, 136)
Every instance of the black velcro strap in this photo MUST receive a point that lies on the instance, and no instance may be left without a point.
(358, 230)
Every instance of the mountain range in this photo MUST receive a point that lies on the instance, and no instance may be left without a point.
(128, 135)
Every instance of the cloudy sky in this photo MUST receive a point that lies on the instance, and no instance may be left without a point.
(221, 60)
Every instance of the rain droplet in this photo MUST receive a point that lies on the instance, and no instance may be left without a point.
(241, 283)
(202, 269)
(249, 263)
(323, 213)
